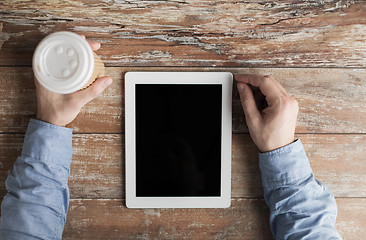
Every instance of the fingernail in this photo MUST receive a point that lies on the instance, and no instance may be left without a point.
(99, 45)
(107, 82)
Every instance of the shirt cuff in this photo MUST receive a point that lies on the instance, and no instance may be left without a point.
(48, 143)
(284, 166)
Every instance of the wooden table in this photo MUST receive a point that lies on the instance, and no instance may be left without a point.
(316, 49)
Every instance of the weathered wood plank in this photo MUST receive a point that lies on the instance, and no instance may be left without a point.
(97, 170)
(18, 104)
(205, 34)
(331, 100)
(195, 33)
(338, 161)
(98, 165)
(110, 219)
(351, 219)
(245, 219)
(10, 149)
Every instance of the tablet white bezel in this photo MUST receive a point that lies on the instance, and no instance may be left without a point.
(133, 78)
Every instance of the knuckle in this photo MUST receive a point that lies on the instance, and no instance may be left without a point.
(266, 79)
(294, 101)
(289, 100)
(269, 77)
(291, 103)
(75, 102)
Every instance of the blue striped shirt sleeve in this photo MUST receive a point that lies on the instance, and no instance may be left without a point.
(36, 204)
(300, 206)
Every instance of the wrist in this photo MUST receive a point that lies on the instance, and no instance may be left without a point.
(50, 120)
(40, 140)
(284, 166)
(277, 145)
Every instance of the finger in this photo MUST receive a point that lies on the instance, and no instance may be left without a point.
(94, 45)
(251, 111)
(245, 77)
(86, 95)
(284, 92)
(39, 86)
(36, 82)
(265, 84)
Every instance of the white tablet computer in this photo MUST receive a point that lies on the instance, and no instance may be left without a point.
(178, 139)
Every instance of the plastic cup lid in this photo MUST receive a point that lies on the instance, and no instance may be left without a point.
(63, 62)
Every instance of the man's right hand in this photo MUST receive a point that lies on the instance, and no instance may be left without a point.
(274, 126)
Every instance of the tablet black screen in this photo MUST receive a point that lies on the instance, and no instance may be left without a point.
(178, 140)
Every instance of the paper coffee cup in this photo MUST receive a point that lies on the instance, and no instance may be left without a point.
(64, 62)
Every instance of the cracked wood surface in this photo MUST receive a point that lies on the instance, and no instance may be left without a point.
(331, 100)
(91, 219)
(245, 219)
(194, 33)
(97, 169)
(316, 49)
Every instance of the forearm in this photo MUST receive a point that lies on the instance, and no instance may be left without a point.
(37, 200)
(300, 206)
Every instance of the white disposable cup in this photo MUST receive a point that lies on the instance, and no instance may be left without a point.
(64, 62)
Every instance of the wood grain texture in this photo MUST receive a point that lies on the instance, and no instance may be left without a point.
(97, 169)
(18, 102)
(245, 219)
(315, 49)
(351, 219)
(10, 149)
(331, 100)
(194, 33)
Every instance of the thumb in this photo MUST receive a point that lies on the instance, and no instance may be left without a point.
(86, 95)
(247, 101)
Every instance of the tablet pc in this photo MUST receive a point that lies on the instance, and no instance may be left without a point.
(178, 139)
